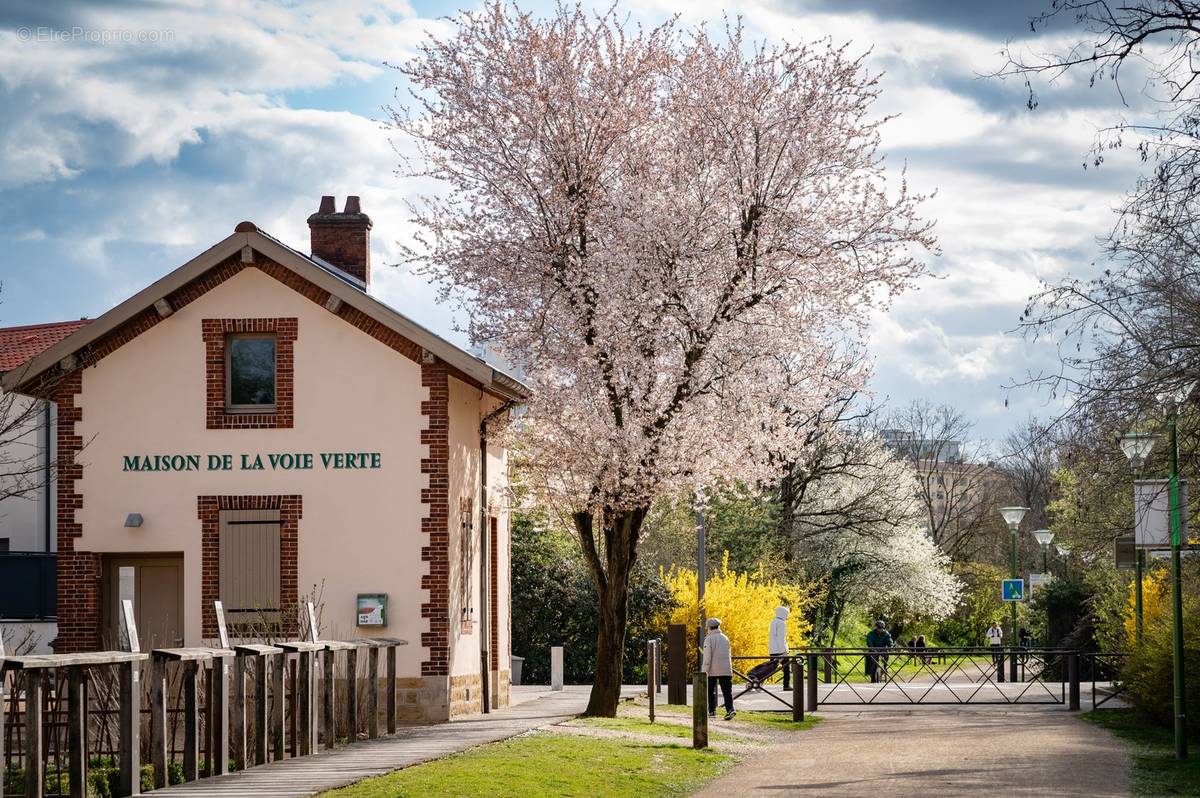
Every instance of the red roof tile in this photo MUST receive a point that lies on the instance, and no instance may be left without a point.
(18, 344)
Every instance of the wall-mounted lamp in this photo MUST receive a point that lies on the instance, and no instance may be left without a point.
(133, 520)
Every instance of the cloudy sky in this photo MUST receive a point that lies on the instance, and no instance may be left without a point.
(133, 135)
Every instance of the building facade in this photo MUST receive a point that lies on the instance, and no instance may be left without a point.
(255, 427)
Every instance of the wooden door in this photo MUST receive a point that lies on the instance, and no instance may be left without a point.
(155, 584)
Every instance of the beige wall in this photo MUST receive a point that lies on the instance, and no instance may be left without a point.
(468, 406)
(360, 530)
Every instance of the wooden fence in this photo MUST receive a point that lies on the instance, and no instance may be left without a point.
(129, 721)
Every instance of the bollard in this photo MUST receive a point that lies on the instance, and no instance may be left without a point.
(1012, 666)
(828, 666)
(998, 661)
(812, 683)
(657, 665)
(1073, 678)
(797, 690)
(677, 664)
(556, 668)
(650, 676)
(700, 710)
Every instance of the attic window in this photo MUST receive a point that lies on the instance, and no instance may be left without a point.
(250, 373)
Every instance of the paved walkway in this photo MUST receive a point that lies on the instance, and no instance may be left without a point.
(292, 778)
(938, 751)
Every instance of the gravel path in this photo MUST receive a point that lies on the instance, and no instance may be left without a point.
(938, 752)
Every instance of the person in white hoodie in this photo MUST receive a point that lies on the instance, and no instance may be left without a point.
(777, 646)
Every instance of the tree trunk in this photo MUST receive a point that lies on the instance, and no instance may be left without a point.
(611, 565)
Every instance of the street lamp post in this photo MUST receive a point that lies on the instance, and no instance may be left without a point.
(1012, 516)
(1176, 585)
(1044, 537)
(1137, 447)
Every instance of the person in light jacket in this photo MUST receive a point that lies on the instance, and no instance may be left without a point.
(718, 664)
(777, 645)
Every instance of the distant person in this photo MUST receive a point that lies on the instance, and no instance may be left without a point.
(995, 639)
(718, 664)
(921, 646)
(777, 644)
(878, 639)
(1025, 637)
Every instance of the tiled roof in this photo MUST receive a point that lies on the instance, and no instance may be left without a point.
(18, 344)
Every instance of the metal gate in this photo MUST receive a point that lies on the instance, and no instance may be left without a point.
(955, 676)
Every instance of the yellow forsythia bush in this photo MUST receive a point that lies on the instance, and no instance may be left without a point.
(745, 603)
(1156, 593)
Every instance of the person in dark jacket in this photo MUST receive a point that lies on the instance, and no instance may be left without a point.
(878, 639)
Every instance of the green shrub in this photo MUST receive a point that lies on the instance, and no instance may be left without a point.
(554, 604)
(1148, 671)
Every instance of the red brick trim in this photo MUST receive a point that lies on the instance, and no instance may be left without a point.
(79, 610)
(208, 508)
(215, 333)
(436, 523)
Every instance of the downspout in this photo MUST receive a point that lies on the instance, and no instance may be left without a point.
(46, 467)
(485, 616)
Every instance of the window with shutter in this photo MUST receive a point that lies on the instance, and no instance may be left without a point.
(249, 566)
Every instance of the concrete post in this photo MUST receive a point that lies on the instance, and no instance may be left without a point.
(650, 669)
(700, 710)
(556, 668)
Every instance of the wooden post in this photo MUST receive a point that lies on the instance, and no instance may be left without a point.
(797, 690)
(130, 737)
(352, 694)
(76, 731)
(391, 689)
(238, 707)
(650, 676)
(293, 707)
(677, 664)
(373, 692)
(191, 720)
(330, 699)
(260, 709)
(219, 717)
(307, 709)
(278, 668)
(130, 748)
(158, 720)
(699, 709)
(35, 768)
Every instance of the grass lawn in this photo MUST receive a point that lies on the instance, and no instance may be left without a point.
(642, 725)
(1155, 770)
(545, 763)
(774, 720)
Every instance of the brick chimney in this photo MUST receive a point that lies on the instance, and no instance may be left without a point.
(343, 239)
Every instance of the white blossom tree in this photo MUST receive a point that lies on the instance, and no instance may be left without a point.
(862, 530)
(649, 221)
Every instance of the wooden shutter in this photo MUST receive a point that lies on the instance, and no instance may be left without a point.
(249, 559)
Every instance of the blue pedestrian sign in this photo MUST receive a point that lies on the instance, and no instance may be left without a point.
(1014, 590)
